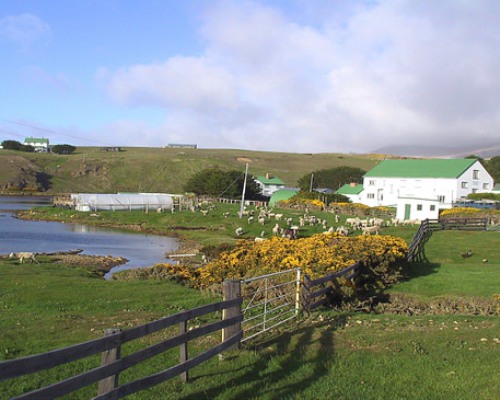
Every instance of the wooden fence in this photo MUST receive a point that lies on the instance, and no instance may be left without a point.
(416, 251)
(323, 291)
(468, 223)
(112, 364)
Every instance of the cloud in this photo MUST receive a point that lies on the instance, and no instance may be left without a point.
(24, 30)
(386, 72)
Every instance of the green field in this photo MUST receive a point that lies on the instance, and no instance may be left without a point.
(141, 169)
(439, 354)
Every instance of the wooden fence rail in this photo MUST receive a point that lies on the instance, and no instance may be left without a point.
(107, 374)
(466, 223)
(328, 287)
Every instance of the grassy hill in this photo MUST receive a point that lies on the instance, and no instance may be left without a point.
(134, 169)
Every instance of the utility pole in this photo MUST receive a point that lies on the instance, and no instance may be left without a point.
(311, 183)
(243, 194)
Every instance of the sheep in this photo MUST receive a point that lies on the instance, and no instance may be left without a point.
(24, 255)
(262, 220)
(276, 230)
(343, 231)
(337, 218)
(368, 230)
(353, 221)
(250, 219)
(259, 239)
(302, 221)
(204, 212)
(278, 217)
(290, 233)
(289, 221)
(226, 214)
(239, 231)
(377, 222)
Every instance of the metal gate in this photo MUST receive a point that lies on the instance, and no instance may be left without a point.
(269, 300)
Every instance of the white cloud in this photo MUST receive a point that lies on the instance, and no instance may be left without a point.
(389, 72)
(24, 30)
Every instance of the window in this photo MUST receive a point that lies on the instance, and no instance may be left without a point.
(475, 174)
(419, 207)
(486, 186)
(432, 207)
(371, 183)
(465, 185)
(370, 195)
(441, 199)
(474, 190)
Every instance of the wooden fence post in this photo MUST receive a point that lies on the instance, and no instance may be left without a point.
(231, 290)
(183, 351)
(109, 356)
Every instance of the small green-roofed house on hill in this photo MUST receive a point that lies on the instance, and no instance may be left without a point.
(422, 187)
(41, 145)
(269, 184)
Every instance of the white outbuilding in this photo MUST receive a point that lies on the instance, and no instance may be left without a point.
(122, 201)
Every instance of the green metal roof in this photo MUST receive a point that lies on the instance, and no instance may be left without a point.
(36, 140)
(421, 168)
(283, 194)
(348, 189)
(270, 181)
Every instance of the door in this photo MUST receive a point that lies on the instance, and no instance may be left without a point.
(407, 211)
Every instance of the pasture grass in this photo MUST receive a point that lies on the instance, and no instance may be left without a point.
(449, 274)
(326, 355)
(166, 170)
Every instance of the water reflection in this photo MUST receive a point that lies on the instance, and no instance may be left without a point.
(46, 237)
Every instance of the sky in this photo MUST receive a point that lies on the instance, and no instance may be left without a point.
(315, 76)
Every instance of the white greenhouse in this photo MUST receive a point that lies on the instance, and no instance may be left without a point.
(122, 201)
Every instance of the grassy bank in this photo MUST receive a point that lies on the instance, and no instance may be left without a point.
(141, 169)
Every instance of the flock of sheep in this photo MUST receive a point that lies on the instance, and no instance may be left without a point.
(288, 227)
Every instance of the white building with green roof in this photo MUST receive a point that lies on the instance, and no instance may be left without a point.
(40, 144)
(352, 191)
(269, 184)
(440, 182)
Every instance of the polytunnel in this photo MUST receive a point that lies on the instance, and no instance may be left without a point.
(122, 201)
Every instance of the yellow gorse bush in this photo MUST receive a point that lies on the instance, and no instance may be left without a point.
(459, 211)
(317, 256)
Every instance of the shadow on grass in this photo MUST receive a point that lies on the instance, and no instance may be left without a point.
(281, 358)
(418, 269)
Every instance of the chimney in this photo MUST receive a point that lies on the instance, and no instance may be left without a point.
(353, 184)
(268, 176)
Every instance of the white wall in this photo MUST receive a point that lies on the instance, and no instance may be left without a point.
(418, 208)
(386, 191)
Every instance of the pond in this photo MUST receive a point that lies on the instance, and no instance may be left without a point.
(46, 237)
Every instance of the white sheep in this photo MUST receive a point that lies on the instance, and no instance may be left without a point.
(276, 230)
(262, 220)
(343, 231)
(368, 230)
(239, 231)
(24, 255)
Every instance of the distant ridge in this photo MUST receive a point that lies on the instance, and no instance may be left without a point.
(437, 151)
